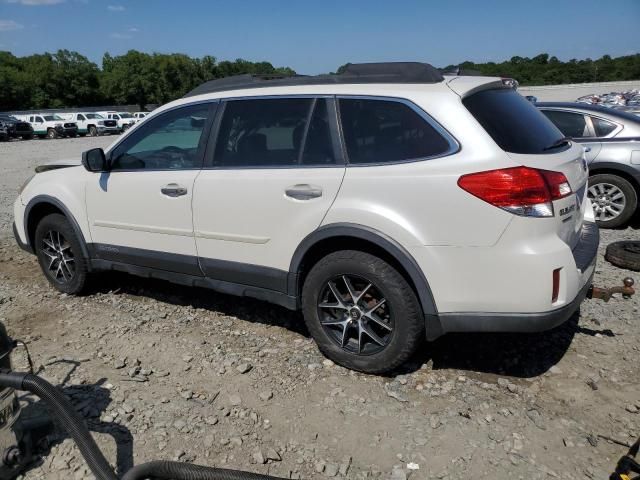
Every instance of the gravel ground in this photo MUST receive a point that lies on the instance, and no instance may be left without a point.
(165, 372)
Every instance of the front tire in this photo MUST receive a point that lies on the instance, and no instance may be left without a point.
(27, 137)
(51, 133)
(93, 131)
(60, 254)
(361, 312)
(614, 199)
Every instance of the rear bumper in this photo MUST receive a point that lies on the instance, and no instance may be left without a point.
(578, 272)
(513, 322)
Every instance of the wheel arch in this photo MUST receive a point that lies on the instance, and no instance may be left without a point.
(630, 174)
(43, 205)
(341, 236)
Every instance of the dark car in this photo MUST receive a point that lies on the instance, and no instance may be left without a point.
(11, 127)
(611, 139)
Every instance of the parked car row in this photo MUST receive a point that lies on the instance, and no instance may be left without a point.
(57, 125)
(629, 98)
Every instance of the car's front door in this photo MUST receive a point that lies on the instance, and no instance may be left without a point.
(273, 176)
(139, 211)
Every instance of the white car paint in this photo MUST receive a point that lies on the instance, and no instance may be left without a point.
(476, 257)
(87, 120)
(123, 123)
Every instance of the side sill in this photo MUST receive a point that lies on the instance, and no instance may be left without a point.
(221, 286)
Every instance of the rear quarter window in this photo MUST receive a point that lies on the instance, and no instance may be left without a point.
(513, 122)
(385, 131)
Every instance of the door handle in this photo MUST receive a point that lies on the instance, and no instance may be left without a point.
(587, 149)
(173, 190)
(303, 191)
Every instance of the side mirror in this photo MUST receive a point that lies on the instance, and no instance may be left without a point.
(94, 160)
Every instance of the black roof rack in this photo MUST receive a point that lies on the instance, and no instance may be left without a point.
(393, 72)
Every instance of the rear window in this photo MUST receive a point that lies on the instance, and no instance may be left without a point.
(383, 131)
(513, 122)
(602, 127)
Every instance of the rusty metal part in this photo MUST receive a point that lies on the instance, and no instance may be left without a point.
(606, 293)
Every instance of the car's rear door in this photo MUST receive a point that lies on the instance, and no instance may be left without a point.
(273, 174)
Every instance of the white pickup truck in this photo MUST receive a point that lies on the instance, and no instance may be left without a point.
(91, 123)
(125, 119)
(50, 125)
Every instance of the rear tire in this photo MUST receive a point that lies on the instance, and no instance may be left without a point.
(350, 330)
(614, 199)
(27, 137)
(60, 254)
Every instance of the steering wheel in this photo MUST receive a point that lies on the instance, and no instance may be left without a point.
(176, 157)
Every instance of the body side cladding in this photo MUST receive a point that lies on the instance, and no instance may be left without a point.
(398, 252)
(234, 278)
(44, 199)
(230, 288)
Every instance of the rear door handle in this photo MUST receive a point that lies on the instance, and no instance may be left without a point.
(303, 191)
(173, 190)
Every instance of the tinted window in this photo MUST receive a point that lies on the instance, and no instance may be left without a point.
(513, 122)
(570, 124)
(168, 141)
(262, 133)
(602, 127)
(379, 131)
(80, 117)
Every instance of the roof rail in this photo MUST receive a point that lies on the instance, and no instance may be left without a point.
(392, 72)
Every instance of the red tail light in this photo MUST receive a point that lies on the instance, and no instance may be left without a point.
(520, 190)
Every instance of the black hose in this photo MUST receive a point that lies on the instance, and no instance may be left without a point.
(68, 417)
(185, 471)
(74, 424)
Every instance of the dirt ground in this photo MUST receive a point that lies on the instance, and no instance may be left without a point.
(165, 372)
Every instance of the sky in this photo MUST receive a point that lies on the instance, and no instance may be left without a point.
(314, 36)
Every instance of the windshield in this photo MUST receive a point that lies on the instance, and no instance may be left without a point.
(125, 115)
(51, 118)
(513, 122)
(93, 116)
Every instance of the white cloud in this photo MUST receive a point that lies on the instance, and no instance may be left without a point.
(134, 29)
(121, 36)
(115, 8)
(10, 25)
(36, 2)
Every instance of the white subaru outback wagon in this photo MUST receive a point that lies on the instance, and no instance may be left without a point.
(388, 203)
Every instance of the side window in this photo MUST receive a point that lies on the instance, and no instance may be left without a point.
(116, 117)
(170, 141)
(602, 127)
(262, 132)
(570, 124)
(81, 117)
(318, 147)
(382, 131)
(39, 120)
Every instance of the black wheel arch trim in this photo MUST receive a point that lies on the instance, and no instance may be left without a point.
(389, 245)
(610, 168)
(40, 199)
